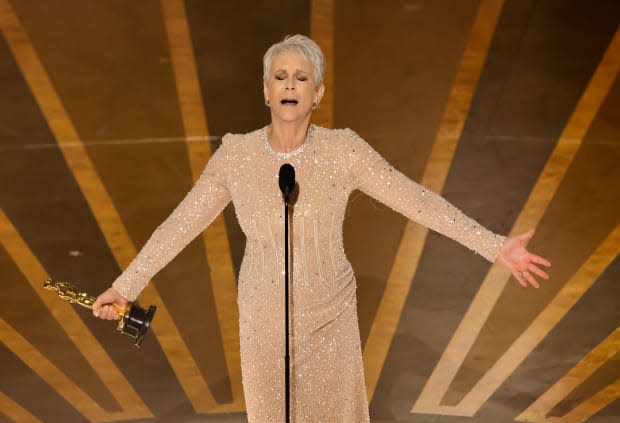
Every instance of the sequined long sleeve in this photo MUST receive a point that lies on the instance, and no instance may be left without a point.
(194, 213)
(373, 175)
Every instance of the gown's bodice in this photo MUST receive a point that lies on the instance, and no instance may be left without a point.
(317, 210)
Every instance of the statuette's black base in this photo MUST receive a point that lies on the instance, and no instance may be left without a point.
(136, 321)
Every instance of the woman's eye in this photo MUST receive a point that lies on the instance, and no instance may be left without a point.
(301, 78)
(280, 78)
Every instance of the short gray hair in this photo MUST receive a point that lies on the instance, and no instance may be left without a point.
(302, 45)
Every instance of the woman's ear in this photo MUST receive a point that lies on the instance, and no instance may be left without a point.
(265, 90)
(319, 93)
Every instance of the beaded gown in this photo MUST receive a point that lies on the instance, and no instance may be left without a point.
(327, 379)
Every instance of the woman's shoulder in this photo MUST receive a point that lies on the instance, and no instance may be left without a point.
(236, 139)
(241, 142)
(339, 138)
(336, 137)
(346, 133)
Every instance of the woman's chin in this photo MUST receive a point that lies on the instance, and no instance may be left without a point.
(291, 115)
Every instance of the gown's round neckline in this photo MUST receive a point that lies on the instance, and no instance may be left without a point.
(287, 154)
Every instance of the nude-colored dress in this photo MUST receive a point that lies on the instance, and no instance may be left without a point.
(327, 378)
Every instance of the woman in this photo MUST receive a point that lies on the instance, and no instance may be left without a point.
(327, 379)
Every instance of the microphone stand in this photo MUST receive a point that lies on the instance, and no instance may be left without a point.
(287, 363)
(286, 181)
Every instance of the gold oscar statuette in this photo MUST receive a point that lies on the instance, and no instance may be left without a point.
(134, 320)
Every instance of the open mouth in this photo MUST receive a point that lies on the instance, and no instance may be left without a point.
(287, 101)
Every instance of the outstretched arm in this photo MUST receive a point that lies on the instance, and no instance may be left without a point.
(373, 175)
(198, 209)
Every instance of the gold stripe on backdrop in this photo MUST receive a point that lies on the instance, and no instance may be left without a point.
(568, 296)
(84, 341)
(595, 403)
(602, 353)
(14, 411)
(435, 174)
(322, 31)
(215, 238)
(99, 201)
(497, 277)
(37, 361)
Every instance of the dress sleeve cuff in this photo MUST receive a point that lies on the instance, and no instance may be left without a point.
(490, 250)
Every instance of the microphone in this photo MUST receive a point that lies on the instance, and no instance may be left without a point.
(286, 180)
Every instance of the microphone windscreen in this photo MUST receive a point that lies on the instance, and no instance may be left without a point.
(286, 178)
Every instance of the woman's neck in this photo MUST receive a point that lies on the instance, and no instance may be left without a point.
(287, 136)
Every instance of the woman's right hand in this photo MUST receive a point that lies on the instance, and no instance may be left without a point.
(106, 304)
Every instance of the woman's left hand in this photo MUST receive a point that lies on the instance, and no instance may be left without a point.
(521, 262)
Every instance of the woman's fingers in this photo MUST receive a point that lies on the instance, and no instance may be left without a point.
(525, 277)
(110, 312)
(97, 306)
(104, 312)
(104, 305)
(540, 260)
(538, 271)
(518, 276)
(528, 276)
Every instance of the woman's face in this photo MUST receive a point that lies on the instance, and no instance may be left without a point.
(290, 86)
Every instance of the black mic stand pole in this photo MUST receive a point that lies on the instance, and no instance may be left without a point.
(286, 180)
(287, 362)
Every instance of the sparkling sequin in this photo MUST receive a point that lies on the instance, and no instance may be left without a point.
(326, 361)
